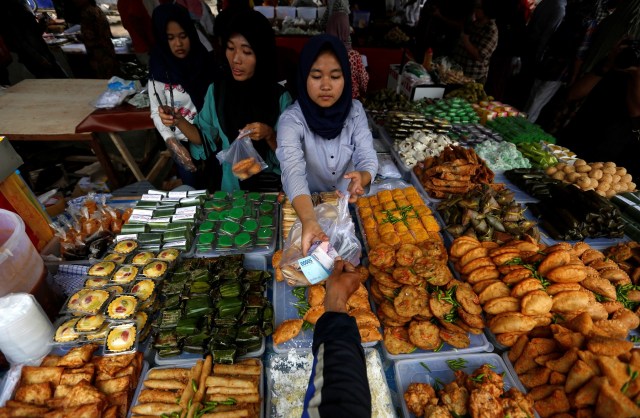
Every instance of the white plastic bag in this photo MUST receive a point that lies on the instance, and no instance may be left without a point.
(387, 168)
(336, 222)
(244, 159)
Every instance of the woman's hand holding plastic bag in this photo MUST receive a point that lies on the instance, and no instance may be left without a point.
(337, 224)
(244, 159)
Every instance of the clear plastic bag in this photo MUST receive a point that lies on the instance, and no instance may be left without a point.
(387, 168)
(243, 157)
(337, 223)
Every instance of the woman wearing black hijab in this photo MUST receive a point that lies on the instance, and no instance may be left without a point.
(181, 71)
(246, 99)
(324, 141)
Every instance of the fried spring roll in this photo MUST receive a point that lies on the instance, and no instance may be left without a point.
(242, 369)
(162, 396)
(206, 371)
(164, 384)
(194, 408)
(240, 413)
(156, 408)
(169, 374)
(231, 391)
(234, 382)
(189, 390)
(239, 399)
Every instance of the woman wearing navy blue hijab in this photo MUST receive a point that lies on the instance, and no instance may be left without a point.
(324, 141)
(180, 72)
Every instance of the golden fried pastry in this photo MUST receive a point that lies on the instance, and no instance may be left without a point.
(287, 330)
(125, 246)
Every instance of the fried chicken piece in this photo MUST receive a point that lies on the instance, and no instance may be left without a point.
(418, 396)
(434, 411)
(315, 295)
(287, 330)
(455, 398)
(486, 380)
(517, 405)
(482, 404)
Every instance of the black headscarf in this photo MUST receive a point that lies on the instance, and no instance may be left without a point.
(196, 71)
(256, 99)
(326, 122)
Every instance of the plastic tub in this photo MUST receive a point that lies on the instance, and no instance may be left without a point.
(283, 309)
(307, 13)
(267, 11)
(285, 11)
(21, 267)
(429, 369)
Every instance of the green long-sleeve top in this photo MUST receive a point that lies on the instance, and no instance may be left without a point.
(209, 124)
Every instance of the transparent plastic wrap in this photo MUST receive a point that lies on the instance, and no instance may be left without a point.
(243, 157)
(336, 222)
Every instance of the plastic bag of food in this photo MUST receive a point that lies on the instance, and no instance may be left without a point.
(336, 222)
(243, 157)
(387, 168)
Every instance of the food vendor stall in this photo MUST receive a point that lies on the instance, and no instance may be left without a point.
(500, 267)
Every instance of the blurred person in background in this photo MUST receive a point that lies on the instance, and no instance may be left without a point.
(478, 41)
(22, 35)
(96, 36)
(136, 19)
(338, 26)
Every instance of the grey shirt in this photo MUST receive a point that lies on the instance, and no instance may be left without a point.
(310, 163)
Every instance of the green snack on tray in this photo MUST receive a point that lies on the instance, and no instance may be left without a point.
(243, 239)
(199, 287)
(206, 238)
(178, 226)
(255, 196)
(266, 221)
(133, 228)
(230, 228)
(197, 306)
(150, 238)
(266, 208)
(169, 318)
(265, 233)
(158, 225)
(163, 212)
(229, 307)
(220, 195)
(176, 235)
(270, 198)
(230, 289)
(237, 194)
(219, 205)
(239, 203)
(213, 216)
(206, 226)
(186, 326)
(250, 225)
(146, 204)
(235, 214)
(165, 340)
(225, 241)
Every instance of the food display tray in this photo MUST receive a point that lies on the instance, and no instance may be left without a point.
(256, 250)
(429, 369)
(271, 392)
(185, 365)
(478, 344)
(595, 243)
(283, 309)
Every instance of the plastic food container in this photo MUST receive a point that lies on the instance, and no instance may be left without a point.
(268, 11)
(283, 309)
(427, 370)
(307, 13)
(20, 264)
(146, 371)
(285, 11)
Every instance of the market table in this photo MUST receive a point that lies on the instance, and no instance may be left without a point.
(122, 119)
(50, 110)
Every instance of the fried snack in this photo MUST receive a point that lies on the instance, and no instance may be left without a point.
(536, 302)
(287, 330)
(511, 322)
